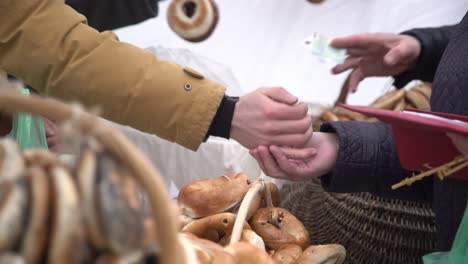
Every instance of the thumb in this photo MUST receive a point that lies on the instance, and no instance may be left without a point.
(281, 95)
(394, 56)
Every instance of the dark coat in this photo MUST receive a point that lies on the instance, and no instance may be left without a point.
(367, 158)
(111, 14)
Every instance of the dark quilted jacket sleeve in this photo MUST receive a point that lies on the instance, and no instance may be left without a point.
(368, 162)
(433, 43)
(111, 14)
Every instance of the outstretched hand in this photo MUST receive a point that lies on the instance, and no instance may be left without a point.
(314, 160)
(376, 54)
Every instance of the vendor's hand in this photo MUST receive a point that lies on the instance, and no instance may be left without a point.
(376, 54)
(317, 159)
(460, 142)
(271, 116)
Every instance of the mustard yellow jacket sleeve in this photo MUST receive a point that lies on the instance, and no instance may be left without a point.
(49, 46)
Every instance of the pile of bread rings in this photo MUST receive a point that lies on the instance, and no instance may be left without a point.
(233, 219)
(53, 212)
(417, 97)
(193, 20)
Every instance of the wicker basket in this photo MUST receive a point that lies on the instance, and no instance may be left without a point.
(371, 228)
(163, 214)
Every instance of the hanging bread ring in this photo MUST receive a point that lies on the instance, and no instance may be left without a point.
(288, 254)
(213, 227)
(113, 213)
(323, 254)
(36, 236)
(212, 196)
(13, 212)
(67, 234)
(278, 227)
(11, 160)
(193, 20)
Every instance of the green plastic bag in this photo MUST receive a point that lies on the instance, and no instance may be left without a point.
(27, 130)
(459, 252)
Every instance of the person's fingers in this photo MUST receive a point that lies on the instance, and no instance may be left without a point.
(273, 170)
(292, 140)
(350, 63)
(281, 95)
(291, 126)
(395, 55)
(360, 41)
(287, 112)
(357, 52)
(354, 79)
(285, 164)
(254, 153)
(299, 154)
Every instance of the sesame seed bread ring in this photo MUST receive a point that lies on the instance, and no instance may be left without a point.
(193, 20)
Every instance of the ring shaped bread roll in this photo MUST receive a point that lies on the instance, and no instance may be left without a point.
(288, 254)
(12, 258)
(213, 227)
(193, 20)
(13, 212)
(86, 178)
(36, 236)
(275, 194)
(247, 236)
(67, 236)
(206, 251)
(248, 254)
(42, 158)
(212, 196)
(418, 99)
(425, 89)
(119, 209)
(388, 100)
(278, 227)
(11, 161)
(328, 116)
(323, 254)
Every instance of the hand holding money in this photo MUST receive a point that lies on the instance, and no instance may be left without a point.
(376, 54)
(319, 45)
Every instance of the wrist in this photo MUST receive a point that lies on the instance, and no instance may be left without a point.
(222, 122)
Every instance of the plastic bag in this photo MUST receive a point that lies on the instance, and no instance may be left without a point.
(209, 68)
(459, 252)
(27, 130)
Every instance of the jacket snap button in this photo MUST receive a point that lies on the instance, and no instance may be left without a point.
(187, 87)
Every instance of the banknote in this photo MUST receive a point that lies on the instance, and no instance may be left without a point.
(319, 45)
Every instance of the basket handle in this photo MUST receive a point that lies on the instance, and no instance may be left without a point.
(164, 214)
